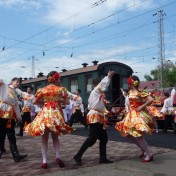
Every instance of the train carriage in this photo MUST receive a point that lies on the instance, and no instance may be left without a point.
(84, 77)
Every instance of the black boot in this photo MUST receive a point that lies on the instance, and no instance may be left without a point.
(2, 148)
(103, 158)
(105, 161)
(1, 153)
(81, 151)
(16, 156)
(78, 160)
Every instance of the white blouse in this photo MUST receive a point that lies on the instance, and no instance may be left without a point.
(8, 100)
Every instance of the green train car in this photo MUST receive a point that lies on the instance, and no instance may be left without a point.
(83, 78)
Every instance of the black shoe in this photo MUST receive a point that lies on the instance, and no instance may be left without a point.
(20, 157)
(19, 135)
(105, 161)
(174, 131)
(164, 131)
(14, 150)
(78, 160)
(2, 151)
(1, 154)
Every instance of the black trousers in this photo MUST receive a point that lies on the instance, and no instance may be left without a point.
(96, 132)
(10, 132)
(169, 120)
(77, 116)
(26, 117)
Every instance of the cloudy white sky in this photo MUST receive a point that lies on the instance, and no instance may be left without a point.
(105, 30)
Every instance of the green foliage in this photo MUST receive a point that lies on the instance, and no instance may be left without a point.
(168, 72)
(148, 77)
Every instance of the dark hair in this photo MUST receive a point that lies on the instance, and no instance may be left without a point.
(15, 79)
(166, 94)
(126, 90)
(51, 73)
(135, 78)
(79, 91)
(30, 87)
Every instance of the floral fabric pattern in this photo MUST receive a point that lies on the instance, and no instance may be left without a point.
(136, 123)
(51, 115)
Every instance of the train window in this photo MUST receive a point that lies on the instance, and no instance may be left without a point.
(89, 84)
(125, 83)
(73, 85)
(37, 86)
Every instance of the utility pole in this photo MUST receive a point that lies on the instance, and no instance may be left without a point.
(161, 45)
(33, 67)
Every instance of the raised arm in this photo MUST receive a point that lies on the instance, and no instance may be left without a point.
(20, 93)
(103, 85)
(72, 96)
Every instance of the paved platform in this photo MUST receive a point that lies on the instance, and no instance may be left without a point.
(163, 165)
(122, 153)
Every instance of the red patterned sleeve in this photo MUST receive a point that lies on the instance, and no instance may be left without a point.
(38, 96)
(64, 93)
(144, 95)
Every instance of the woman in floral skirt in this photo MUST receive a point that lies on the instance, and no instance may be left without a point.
(50, 119)
(139, 120)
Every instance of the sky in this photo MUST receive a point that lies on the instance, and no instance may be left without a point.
(63, 34)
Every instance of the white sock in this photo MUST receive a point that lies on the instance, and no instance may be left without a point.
(45, 146)
(144, 145)
(56, 144)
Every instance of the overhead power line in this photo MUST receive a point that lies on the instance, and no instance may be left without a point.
(46, 30)
(59, 46)
(93, 5)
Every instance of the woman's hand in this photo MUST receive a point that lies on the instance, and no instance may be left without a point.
(149, 100)
(139, 108)
(111, 74)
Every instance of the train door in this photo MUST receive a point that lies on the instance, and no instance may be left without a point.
(116, 88)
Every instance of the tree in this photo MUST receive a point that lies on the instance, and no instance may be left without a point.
(168, 74)
(154, 74)
(148, 77)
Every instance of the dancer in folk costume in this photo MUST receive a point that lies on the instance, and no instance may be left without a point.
(69, 110)
(9, 113)
(50, 118)
(138, 120)
(168, 110)
(96, 121)
(78, 110)
(125, 94)
(28, 99)
(154, 112)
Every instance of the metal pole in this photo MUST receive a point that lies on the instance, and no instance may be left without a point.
(33, 67)
(161, 45)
